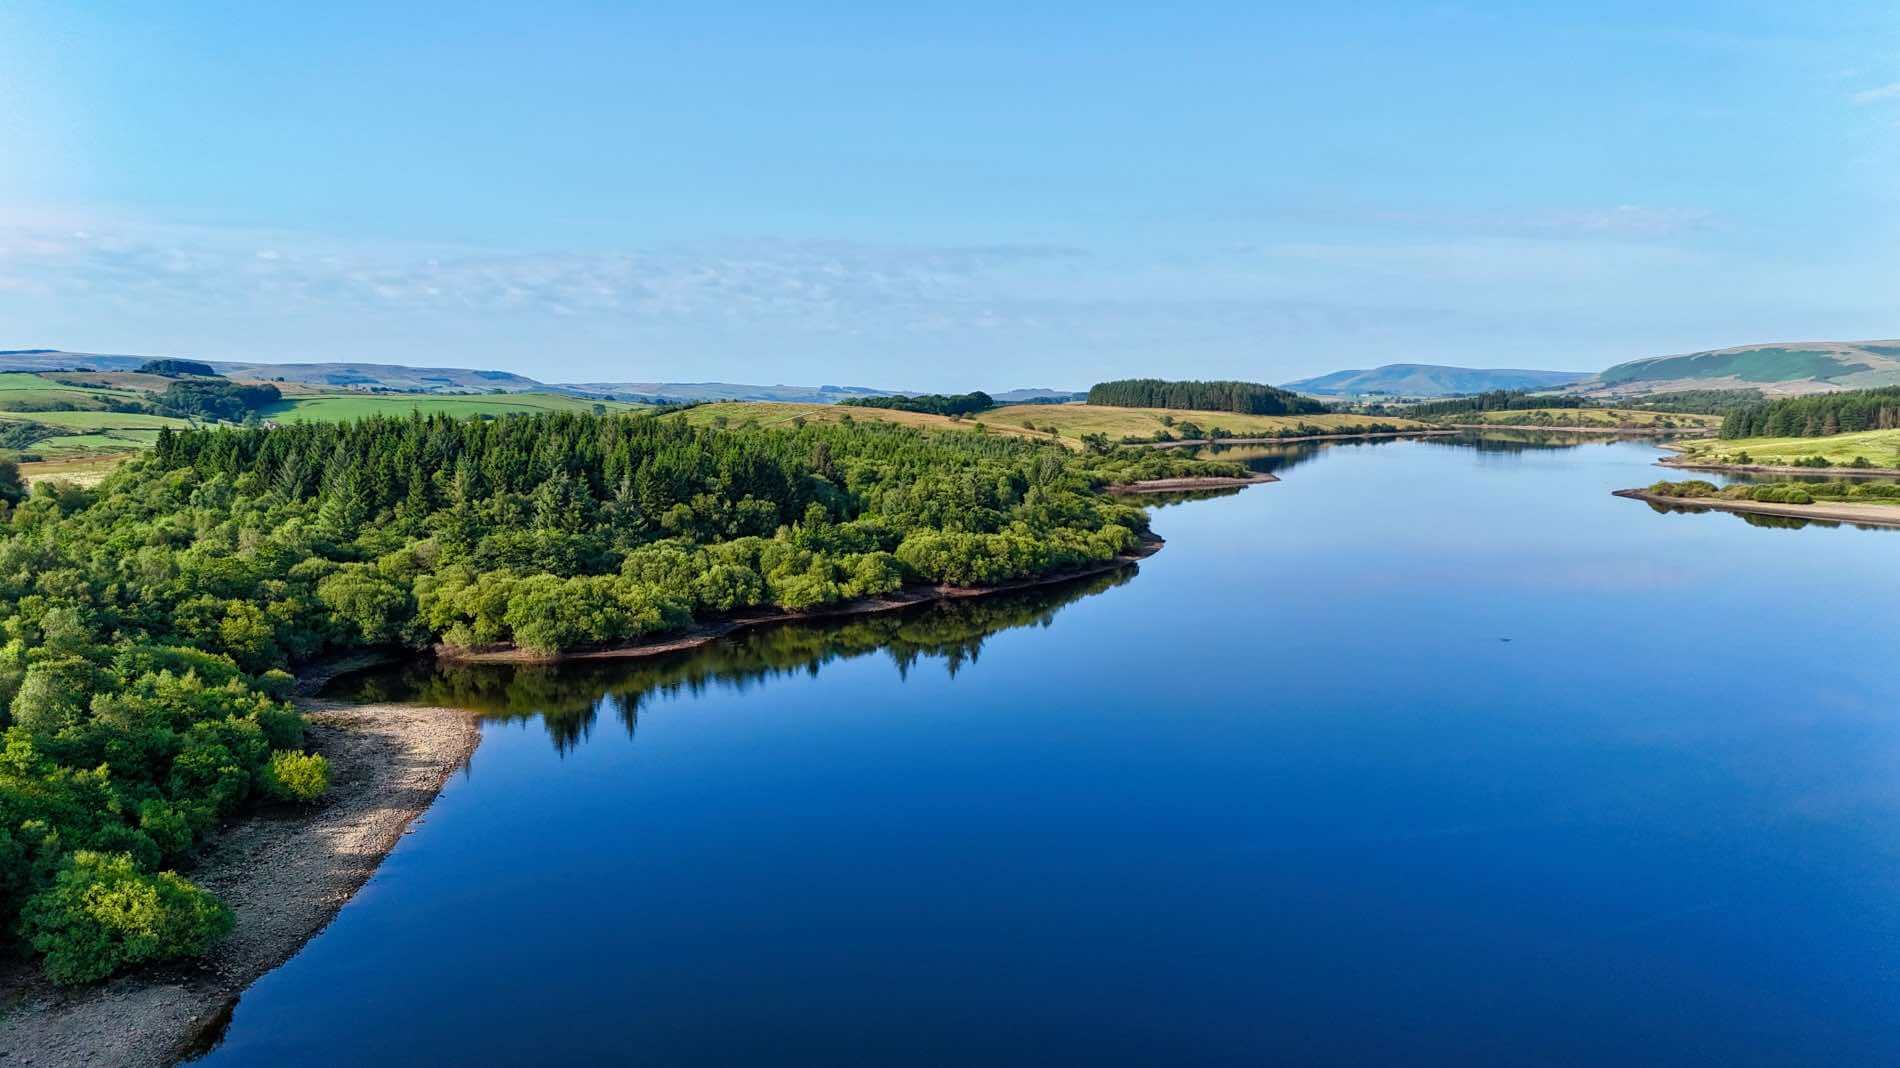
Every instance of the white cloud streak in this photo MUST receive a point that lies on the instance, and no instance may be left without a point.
(1890, 91)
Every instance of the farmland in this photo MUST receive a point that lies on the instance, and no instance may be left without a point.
(1880, 448)
(329, 407)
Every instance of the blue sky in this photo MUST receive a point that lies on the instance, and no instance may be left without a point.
(984, 196)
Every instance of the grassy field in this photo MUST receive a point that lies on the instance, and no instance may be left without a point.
(99, 420)
(20, 391)
(1070, 421)
(1074, 420)
(1880, 447)
(1587, 417)
(83, 470)
(778, 413)
(336, 407)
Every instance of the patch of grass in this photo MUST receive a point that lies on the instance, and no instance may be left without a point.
(1881, 448)
(780, 413)
(1070, 420)
(1590, 417)
(340, 407)
(100, 420)
(127, 383)
(1075, 420)
(82, 470)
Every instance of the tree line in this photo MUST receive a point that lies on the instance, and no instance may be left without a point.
(1497, 400)
(930, 403)
(146, 624)
(1818, 415)
(1250, 398)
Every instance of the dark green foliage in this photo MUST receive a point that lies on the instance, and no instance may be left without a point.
(1817, 415)
(1696, 401)
(19, 433)
(1502, 400)
(1251, 398)
(12, 485)
(213, 400)
(171, 368)
(1785, 492)
(931, 403)
(144, 623)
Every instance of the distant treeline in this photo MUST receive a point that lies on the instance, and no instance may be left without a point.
(929, 403)
(214, 399)
(1250, 398)
(1698, 401)
(173, 368)
(1817, 416)
(1498, 400)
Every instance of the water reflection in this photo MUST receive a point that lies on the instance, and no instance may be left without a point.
(570, 698)
(1278, 458)
(1764, 520)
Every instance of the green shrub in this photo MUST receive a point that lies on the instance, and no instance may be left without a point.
(102, 913)
(294, 776)
(1694, 487)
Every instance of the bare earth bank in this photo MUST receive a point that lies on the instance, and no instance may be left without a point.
(1876, 515)
(284, 872)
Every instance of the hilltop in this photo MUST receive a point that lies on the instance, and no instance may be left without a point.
(1788, 368)
(1430, 380)
(375, 377)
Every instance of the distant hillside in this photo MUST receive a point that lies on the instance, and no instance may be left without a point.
(1792, 368)
(360, 375)
(727, 391)
(1026, 396)
(1431, 380)
(384, 376)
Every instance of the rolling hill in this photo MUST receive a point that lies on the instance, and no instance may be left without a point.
(1430, 380)
(1794, 367)
(365, 375)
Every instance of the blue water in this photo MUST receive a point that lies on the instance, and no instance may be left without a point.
(1426, 754)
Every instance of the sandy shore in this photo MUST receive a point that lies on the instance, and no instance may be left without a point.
(1873, 515)
(284, 872)
(711, 631)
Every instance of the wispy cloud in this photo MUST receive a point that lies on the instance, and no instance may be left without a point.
(809, 283)
(1890, 91)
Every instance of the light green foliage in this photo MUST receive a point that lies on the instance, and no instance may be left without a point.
(294, 776)
(102, 913)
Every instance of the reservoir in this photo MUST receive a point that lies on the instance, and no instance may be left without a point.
(1432, 752)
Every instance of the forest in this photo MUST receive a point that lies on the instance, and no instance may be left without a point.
(928, 403)
(1817, 415)
(148, 622)
(1250, 398)
(1500, 400)
(214, 400)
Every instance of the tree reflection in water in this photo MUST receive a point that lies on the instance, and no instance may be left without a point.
(569, 697)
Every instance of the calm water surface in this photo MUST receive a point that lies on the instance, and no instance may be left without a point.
(1427, 754)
